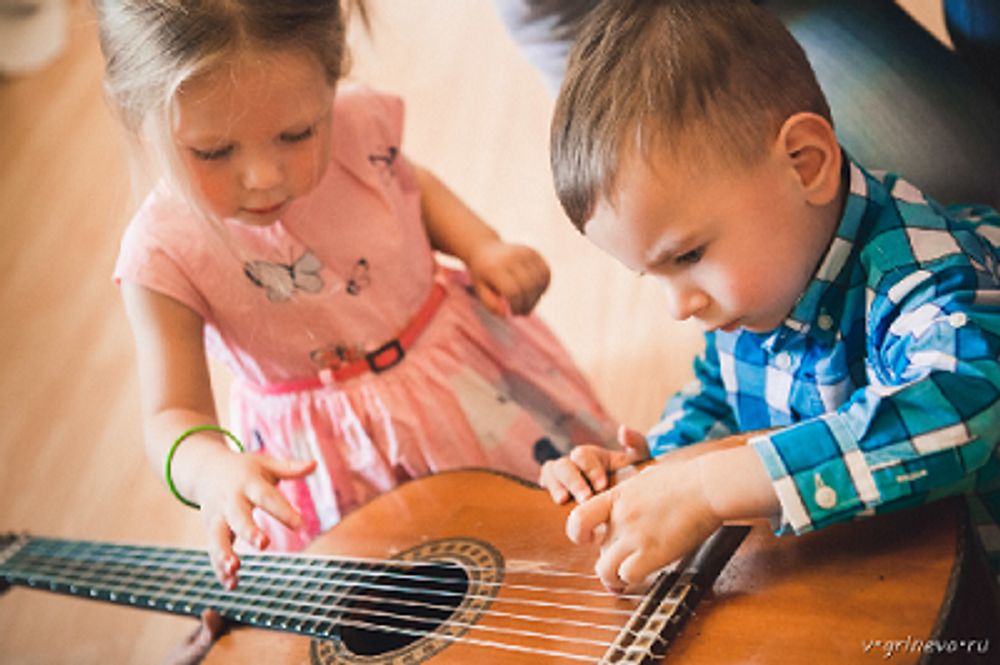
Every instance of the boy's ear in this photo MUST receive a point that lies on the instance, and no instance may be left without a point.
(810, 145)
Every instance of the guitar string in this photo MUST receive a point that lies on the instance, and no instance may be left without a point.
(448, 608)
(197, 557)
(343, 588)
(250, 571)
(354, 623)
(208, 575)
(546, 571)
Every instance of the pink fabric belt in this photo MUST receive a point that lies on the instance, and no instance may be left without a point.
(384, 357)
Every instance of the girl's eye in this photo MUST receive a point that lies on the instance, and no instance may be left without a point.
(298, 136)
(212, 155)
(691, 257)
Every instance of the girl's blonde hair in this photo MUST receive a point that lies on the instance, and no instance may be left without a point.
(151, 47)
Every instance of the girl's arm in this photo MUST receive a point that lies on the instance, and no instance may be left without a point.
(176, 396)
(507, 278)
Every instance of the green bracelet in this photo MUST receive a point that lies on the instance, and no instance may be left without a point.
(173, 449)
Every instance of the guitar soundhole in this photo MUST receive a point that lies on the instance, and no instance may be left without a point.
(400, 606)
(426, 601)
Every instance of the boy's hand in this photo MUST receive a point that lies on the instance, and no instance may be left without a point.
(508, 278)
(645, 522)
(586, 469)
(230, 487)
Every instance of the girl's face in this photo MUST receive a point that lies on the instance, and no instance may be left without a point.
(253, 133)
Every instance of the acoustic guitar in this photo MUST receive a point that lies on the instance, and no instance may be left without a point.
(472, 567)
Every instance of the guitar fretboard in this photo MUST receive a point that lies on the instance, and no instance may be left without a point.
(313, 596)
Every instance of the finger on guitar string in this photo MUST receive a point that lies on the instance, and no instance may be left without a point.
(637, 566)
(547, 479)
(584, 520)
(609, 564)
(224, 561)
(594, 462)
(564, 480)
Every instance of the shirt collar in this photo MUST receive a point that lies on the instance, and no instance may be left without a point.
(817, 312)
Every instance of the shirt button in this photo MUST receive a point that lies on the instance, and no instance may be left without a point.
(826, 497)
(824, 321)
(957, 319)
(783, 360)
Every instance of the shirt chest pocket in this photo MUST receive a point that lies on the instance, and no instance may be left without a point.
(822, 385)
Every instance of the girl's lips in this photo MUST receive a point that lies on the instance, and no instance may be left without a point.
(263, 211)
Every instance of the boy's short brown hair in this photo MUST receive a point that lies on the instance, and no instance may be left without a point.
(647, 70)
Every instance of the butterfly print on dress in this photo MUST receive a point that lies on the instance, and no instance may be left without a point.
(335, 355)
(281, 280)
(360, 277)
(385, 162)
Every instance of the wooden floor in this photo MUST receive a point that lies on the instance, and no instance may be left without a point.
(71, 460)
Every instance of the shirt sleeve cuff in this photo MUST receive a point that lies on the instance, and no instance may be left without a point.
(818, 489)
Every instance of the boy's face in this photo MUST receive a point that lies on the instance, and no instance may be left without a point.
(253, 134)
(733, 247)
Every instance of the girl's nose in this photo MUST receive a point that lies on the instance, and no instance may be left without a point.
(261, 172)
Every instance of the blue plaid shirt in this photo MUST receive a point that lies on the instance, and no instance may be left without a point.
(883, 382)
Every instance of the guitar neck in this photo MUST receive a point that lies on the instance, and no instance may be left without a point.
(672, 601)
(302, 595)
(333, 598)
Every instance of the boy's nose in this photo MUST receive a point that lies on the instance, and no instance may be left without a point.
(683, 303)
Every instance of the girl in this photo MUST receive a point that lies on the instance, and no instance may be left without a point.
(292, 239)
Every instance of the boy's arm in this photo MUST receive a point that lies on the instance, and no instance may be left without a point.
(927, 424)
(698, 412)
(671, 506)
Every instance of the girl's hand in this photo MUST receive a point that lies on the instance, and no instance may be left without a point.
(508, 278)
(645, 522)
(585, 469)
(195, 646)
(229, 488)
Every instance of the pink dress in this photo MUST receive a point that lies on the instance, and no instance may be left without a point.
(340, 275)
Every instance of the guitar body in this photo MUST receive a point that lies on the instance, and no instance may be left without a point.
(820, 598)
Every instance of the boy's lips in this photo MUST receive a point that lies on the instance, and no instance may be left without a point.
(725, 327)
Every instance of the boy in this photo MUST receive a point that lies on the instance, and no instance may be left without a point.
(852, 324)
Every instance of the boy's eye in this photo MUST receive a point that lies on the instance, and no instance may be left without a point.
(690, 257)
(213, 154)
(295, 137)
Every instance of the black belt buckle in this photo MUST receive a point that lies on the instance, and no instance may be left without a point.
(375, 361)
